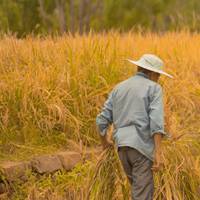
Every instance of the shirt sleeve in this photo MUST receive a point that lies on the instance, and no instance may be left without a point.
(156, 113)
(105, 117)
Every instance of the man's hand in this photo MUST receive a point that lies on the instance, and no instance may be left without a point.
(158, 163)
(106, 142)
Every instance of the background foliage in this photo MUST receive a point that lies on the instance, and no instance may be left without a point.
(57, 16)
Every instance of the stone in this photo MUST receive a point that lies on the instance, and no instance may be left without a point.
(14, 170)
(11, 171)
(46, 164)
(4, 196)
(69, 159)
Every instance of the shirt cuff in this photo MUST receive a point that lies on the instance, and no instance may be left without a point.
(161, 132)
(102, 129)
(103, 133)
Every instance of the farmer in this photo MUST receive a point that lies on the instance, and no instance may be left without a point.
(135, 108)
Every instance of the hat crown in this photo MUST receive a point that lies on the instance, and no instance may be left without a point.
(152, 61)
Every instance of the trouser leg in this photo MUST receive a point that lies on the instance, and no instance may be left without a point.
(141, 175)
(126, 165)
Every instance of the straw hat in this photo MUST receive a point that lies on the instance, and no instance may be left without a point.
(152, 63)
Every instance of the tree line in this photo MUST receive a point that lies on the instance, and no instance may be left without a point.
(58, 16)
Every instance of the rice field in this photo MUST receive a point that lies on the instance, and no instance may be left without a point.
(52, 88)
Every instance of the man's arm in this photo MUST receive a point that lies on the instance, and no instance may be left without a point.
(157, 152)
(157, 125)
(104, 119)
(157, 141)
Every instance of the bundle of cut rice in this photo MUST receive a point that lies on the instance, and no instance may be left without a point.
(108, 178)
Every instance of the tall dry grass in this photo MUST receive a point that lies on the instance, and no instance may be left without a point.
(52, 88)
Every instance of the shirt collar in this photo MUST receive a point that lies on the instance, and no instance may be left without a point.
(142, 74)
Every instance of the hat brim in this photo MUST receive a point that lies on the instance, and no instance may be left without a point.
(149, 68)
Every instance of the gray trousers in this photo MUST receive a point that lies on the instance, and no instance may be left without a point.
(139, 173)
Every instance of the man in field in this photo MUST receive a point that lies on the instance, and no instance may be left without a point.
(135, 108)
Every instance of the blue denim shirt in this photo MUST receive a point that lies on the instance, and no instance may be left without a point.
(135, 108)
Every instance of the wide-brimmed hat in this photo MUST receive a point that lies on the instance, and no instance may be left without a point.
(152, 63)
